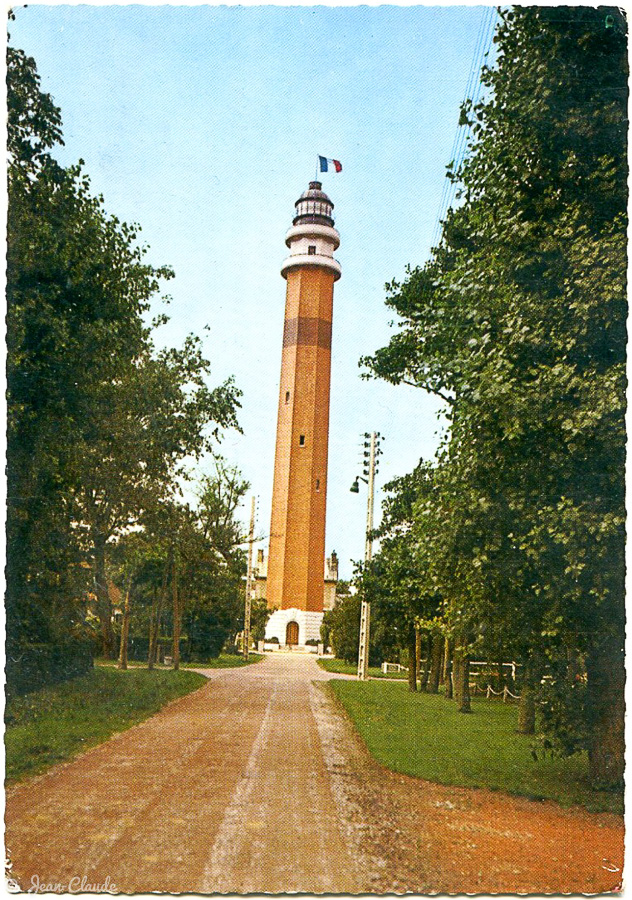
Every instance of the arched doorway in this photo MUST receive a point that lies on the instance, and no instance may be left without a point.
(291, 634)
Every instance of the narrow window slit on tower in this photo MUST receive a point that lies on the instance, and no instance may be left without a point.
(318, 484)
(287, 396)
(301, 440)
(311, 249)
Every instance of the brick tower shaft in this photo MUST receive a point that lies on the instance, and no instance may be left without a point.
(297, 531)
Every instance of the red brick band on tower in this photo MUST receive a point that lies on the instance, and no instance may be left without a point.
(307, 331)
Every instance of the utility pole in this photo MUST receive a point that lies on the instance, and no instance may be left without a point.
(365, 617)
(251, 539)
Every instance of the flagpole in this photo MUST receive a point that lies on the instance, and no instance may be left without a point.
(317, 161)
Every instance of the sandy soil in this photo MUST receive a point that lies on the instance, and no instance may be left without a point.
(258, 783)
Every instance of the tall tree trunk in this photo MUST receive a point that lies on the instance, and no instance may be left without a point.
(104, 605)
(606, 709)
(151, 649)
(435, 663)
(122, 661)
(154, 631)
(449, 677)
(461, 676)
(526, 710)
(417, 653)
(412, 660)
(526, 705)
(424, 673)
(177, 617)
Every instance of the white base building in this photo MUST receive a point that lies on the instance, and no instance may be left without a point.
(294, 627)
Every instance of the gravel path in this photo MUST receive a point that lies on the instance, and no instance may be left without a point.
(257, 783)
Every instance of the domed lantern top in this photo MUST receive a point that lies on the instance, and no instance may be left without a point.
(314, 206)
(312, 238)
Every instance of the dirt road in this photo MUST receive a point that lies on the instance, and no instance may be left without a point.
(256, 782)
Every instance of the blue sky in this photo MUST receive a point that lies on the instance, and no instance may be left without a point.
(202, 123)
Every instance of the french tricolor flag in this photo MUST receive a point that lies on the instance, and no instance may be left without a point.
(324, 164)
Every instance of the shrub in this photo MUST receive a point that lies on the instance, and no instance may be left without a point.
(31, 666)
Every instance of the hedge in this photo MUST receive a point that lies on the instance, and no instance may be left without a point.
(31, 666)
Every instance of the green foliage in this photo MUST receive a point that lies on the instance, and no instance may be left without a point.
(208, 627)
(139, 648)
(33, 120)
(342, 625)
(56, 723)
(101, 425)
(31, 666)
(424, 736)
(396, 581)
(342, 592)
(259, 615)
(562, 712)
(196, 549)
(228, 660)
(519, 323)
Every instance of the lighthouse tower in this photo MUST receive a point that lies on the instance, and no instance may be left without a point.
(296, 563)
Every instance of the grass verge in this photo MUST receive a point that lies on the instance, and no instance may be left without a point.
(423, 735)
(340, 667)
(55, 723)
(223, 661)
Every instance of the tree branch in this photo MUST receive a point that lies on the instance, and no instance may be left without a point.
(426, 387)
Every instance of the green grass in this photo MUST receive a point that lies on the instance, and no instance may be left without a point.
(223, 661)
(340, 667)
(423, 735)
(55, 723)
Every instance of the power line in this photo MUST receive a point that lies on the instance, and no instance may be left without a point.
(473, 92)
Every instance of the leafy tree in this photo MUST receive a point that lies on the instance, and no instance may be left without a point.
(34, 122)
(403, 598)
(259, 615)
(45, 576)
(100, 423)
(151, 420)
(343, 591)
(518, 322)
(341, 625)
(219, 497)
(188, 576)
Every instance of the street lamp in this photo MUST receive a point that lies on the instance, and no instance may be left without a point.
(355, 487)
(371, 452)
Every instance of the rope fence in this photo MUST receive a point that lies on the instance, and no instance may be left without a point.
(489, 692)
(475, 688)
